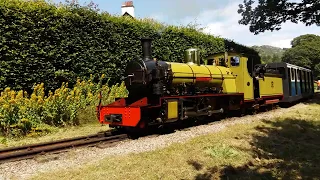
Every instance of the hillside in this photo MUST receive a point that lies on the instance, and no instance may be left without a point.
(269, 53)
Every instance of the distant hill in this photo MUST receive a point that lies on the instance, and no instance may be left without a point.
(269, 53)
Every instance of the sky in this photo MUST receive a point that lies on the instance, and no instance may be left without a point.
(219, 18)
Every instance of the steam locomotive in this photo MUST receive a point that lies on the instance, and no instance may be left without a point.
(162, 92)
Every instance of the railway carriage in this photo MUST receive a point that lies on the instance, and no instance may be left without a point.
(297, 81)
(163, 92)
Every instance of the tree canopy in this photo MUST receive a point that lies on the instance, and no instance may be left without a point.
(269, 54)
(305, 52)
(268, 15)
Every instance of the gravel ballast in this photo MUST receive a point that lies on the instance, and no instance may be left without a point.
(82, 156)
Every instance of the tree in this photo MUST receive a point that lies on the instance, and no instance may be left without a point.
(269, 54)
(270, 14)
(304, 39)
(305, 52)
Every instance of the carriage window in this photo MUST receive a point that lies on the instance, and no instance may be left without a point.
(292, 73)
(298, 74)
(235, 61)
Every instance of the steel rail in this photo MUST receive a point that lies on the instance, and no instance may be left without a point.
(29, 151)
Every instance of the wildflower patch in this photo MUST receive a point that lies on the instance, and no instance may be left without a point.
(23, 114)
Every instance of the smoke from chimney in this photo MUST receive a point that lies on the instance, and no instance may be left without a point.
(127, 7)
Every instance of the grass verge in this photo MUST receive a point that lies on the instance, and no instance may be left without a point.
(88, 125)
(282, 148)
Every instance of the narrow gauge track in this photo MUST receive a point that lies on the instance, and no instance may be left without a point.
(32, 150)
(112, 136)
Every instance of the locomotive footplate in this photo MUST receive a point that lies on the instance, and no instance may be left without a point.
(118, 113)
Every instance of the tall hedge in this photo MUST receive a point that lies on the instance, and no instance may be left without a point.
(42, 42)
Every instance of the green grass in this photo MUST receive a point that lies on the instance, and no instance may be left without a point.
(59, 133)
(223, 152)
(282, 148)
(89, 124)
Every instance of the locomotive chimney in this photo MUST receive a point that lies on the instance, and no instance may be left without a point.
(146, 48)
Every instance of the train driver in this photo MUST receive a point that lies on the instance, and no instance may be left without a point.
(235, 60)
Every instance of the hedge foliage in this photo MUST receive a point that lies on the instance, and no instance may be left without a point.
(43, 42)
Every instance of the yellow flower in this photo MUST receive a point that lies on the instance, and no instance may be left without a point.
(40, 101)
(7, 90)
(23, 108)
(36, 88)
(20, 95)
(33, 97)
(13, 94)
(24, 120)
(6, 106)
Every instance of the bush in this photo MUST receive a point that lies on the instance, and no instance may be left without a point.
(21, 114)
(42, 42)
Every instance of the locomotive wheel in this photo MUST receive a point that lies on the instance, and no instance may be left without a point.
(166, 129)
(235, 113)
(240, 113)
(135, 132)
(251, 111)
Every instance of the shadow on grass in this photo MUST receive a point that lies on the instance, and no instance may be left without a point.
(288, 149)
(315, 99)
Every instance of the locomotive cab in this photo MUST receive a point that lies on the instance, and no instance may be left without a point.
(252, 77)
(241, 66)
(258, 83)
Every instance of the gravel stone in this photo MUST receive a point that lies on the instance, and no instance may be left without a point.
(89, 155)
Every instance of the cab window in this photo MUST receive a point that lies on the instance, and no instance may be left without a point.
(235, 61)
(210, 62)
(222, 62)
